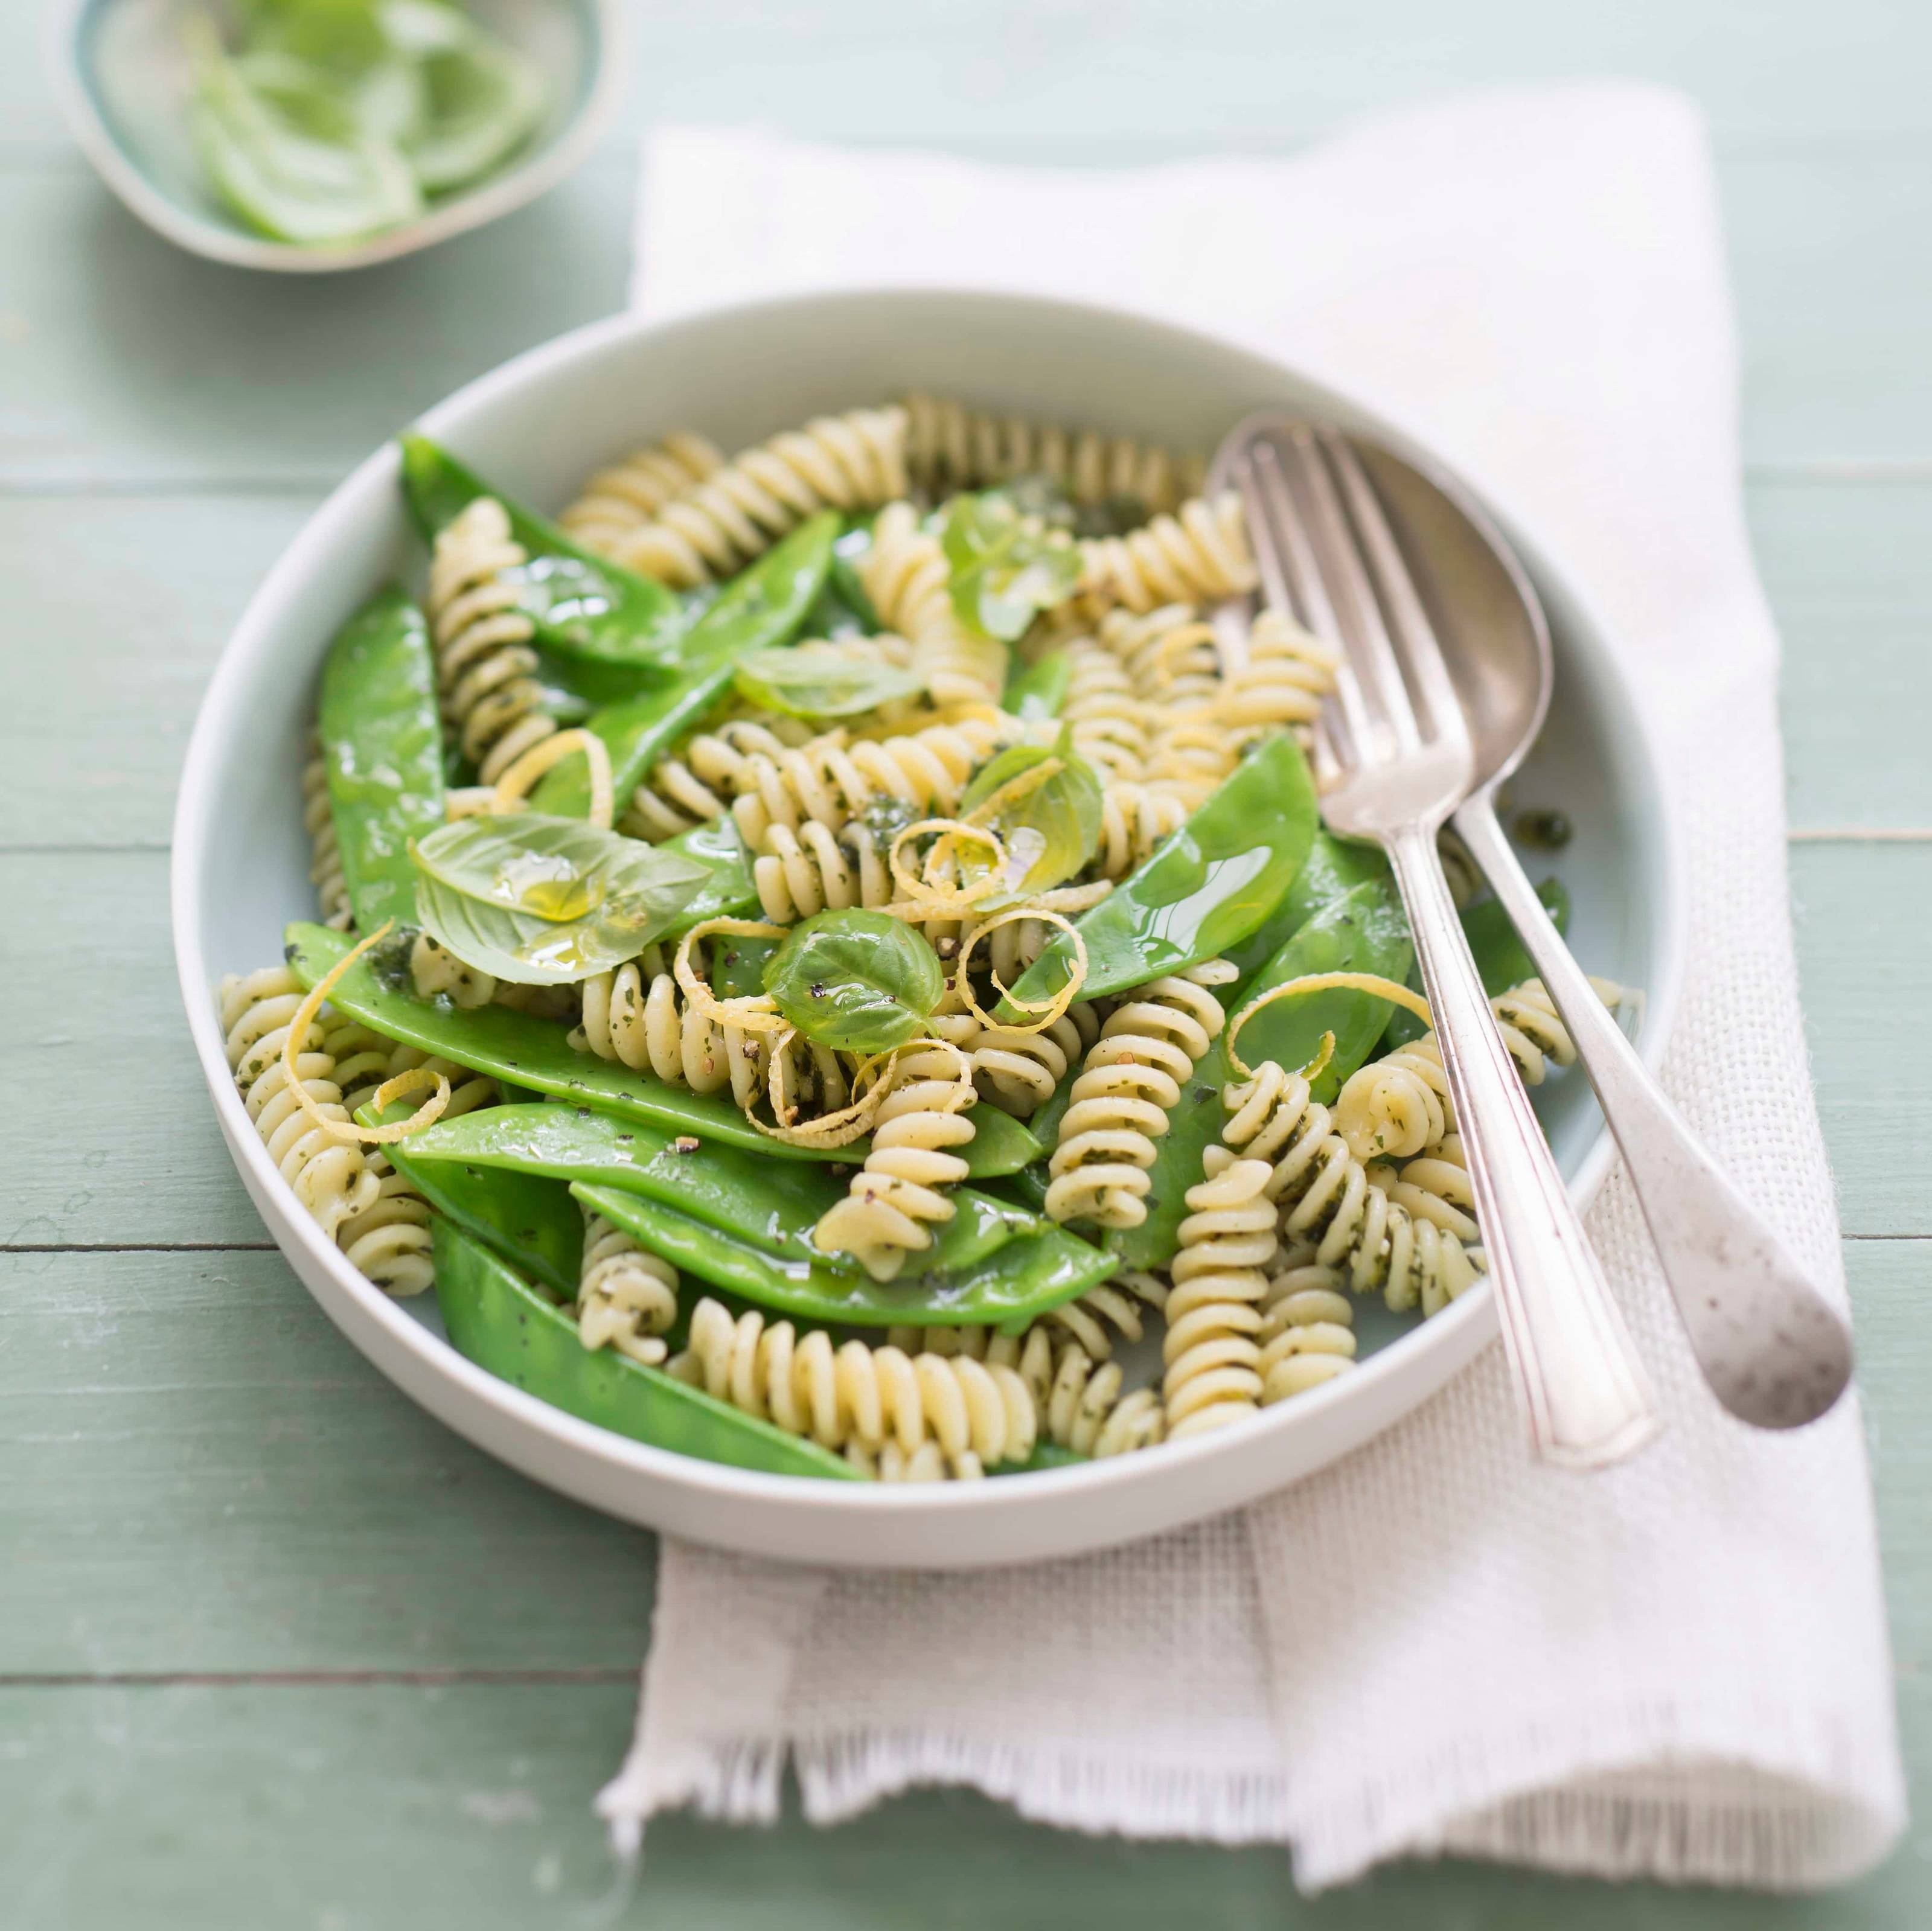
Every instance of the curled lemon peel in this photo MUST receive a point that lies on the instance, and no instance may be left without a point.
(513, 787)
(1051, 1010)
(924, 899)
(754, 1013)
(313, 1002)
(1392, 989)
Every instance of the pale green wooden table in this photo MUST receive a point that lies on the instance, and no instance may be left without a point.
(277, 1651)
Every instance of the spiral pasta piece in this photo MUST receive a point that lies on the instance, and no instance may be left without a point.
(1129, 1083)
(716, 527)
(626, 1296)
(1287, 673)
(1019, 1071)
(696, 785)
(950, 447)
(897, 1415)
(325, 872)
(638, 1015)
(1220, 1268)
(1198, 554)
(616, 502)
(1105, 715)
(1080, 1400)
(798, 874)
(1332, 1213)
(1399, 1105)
(895, 1198)
(906, 575)
(330, 1177)
(485, 667)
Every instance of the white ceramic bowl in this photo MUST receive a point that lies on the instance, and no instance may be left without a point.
(121, 75)
(536, 426)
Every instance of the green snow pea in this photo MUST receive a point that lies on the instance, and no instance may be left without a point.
(584, 606)
(1333, 867)
(1364, 931)
(505, 1326)
(531, 1221)
(382, 747)
(773, 1208)
(1500, 957)
(730, 892)
(536, 1053)
(1205, 888)
(1038, 689)
(1015, 1283)
(761, 609)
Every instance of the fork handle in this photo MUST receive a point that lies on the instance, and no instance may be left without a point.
(1776, 1353)
(1583, 1391)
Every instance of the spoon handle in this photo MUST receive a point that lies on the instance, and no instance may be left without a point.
(1587, 1400)
(1776, 1353)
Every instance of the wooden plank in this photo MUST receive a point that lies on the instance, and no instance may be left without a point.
(91, 1024)
(202, 1475)
(1849, 574)
(1866, 976)
(133, 364)
(118, 624)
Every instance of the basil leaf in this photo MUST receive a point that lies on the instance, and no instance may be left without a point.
(599, 917)
(1049, 832)
(1004, 568)
(1038, 690)
(557, 868)
(860, 981)
(824, 680)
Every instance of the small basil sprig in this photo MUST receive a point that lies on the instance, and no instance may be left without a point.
(861, 981)
(1049, 830)
(544, 901)
(823, 680)
(1004, 568)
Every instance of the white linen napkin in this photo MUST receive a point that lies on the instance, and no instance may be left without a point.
(1679, 1668)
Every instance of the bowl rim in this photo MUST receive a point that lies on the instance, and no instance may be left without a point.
(499, 195)
(1452, 1337)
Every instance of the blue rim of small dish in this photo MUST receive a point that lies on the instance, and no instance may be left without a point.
(204, 232)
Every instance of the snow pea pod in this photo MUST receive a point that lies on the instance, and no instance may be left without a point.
(382, 748)
(505, 1326)
(1205, 888)
(730, 1188)
(582, 606)
(1009, 1287)
(760, 610)
(536, 1053)
(1364, 930)
(533, 1222)
(1333, 866)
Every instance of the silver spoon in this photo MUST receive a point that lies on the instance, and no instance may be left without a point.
(1776, 1353)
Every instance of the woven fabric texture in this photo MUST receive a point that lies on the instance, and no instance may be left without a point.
(1679, 1668)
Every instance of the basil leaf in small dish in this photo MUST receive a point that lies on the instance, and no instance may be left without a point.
(861, 981)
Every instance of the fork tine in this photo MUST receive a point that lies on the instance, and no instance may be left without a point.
(1362, 633)
(1292, 582)
(1441, 709)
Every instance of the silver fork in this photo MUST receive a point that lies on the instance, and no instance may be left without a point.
(1400, 760)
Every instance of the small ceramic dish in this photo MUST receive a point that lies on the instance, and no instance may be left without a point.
(537, 427)
(120, 73)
